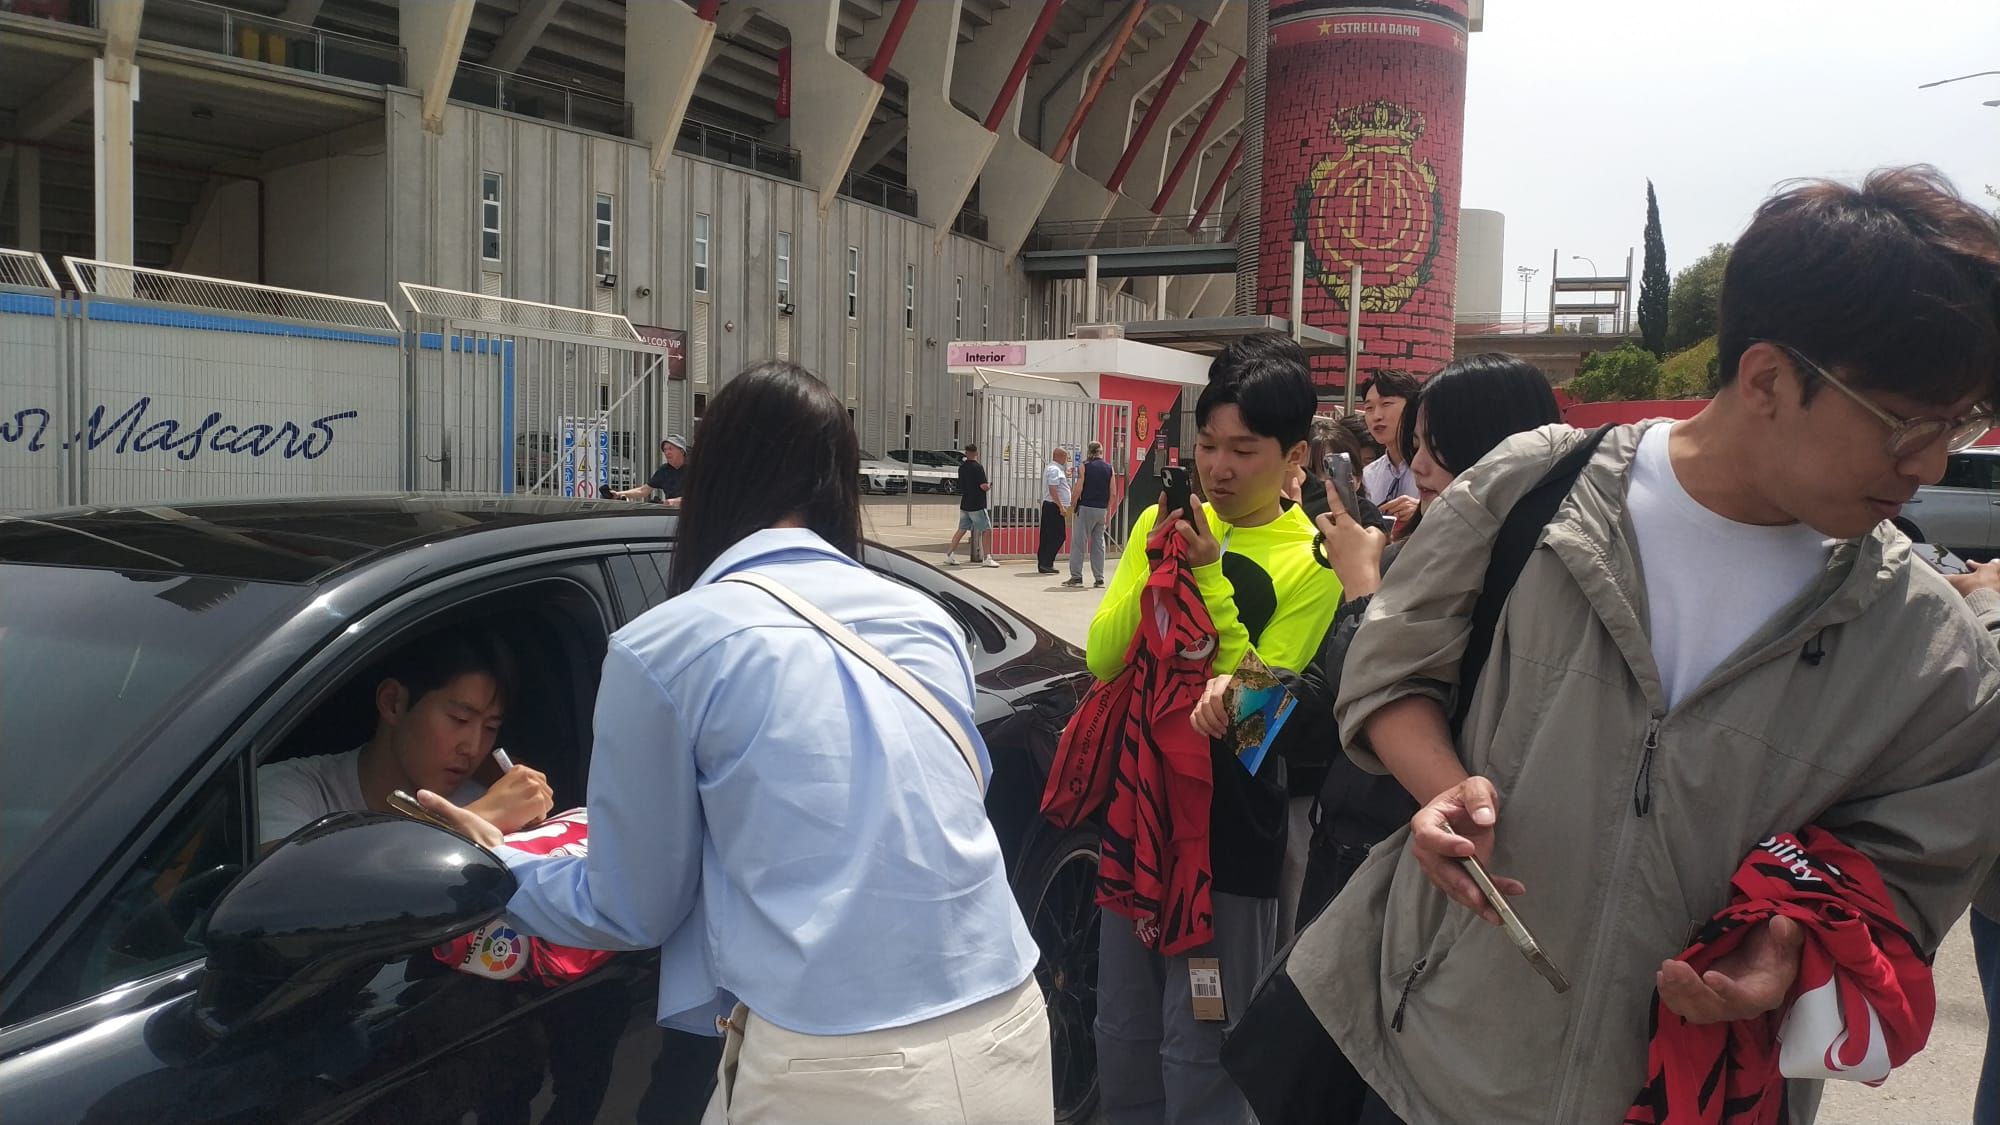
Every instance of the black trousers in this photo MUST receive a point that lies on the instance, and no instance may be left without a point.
(1054, 528)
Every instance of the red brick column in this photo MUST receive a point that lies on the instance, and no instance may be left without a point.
(1363, 140)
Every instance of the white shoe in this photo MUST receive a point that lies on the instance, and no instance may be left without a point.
(949, 560)
(992, 562)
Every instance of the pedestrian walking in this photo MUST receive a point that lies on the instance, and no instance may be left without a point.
(1093, 507)
(1055, 510)
(973, 518)
(787, 799)
(1714, 638)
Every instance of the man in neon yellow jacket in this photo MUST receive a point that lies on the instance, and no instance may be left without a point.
(1253, 562)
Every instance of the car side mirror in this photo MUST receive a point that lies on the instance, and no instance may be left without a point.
(344, 893)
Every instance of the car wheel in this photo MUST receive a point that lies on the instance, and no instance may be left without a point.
(1057, 891)
(951, 488)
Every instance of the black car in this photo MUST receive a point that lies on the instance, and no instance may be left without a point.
(151, 969)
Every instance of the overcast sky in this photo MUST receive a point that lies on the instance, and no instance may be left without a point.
(1573, 104)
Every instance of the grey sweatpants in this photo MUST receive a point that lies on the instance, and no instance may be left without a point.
(1155, 1061)
(1088, 528)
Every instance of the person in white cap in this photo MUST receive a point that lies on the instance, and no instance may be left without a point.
(665, 483)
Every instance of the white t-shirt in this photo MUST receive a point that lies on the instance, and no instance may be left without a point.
(1381, 480)
(1711, 583)
(293, 793)
(1054, 477)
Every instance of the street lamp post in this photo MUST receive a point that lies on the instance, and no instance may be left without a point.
(1527, 274)
(1582, 258)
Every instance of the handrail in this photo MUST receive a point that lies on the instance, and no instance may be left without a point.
(26, 269)
(272, 41)
(506, 94)
(114, 279)
(741, 150)
(1149, 230)
(456, 304)
(874, 189)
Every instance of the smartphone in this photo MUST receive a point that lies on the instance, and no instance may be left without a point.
(1176, 486)
(1941, 559)
(403, 803)
(1340, 471)
(1516, 931)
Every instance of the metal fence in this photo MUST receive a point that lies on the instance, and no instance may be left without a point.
(143, 386)
(1018, 435)
(518, 396)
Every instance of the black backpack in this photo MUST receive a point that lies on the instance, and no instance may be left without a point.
(1277, 1052)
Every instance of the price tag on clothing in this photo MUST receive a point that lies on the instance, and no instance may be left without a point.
(1205, 988)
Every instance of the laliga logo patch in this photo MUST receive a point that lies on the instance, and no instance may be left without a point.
(498, 952)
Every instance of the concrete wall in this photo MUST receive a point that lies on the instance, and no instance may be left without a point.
(551, 176)
(326, 226)
(222, 239)
(1482, 237)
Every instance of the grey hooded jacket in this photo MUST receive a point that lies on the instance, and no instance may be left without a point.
(1868, 707)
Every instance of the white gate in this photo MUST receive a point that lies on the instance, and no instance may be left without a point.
(519, 396)
(1017, 435)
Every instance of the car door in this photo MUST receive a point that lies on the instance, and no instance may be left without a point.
(1959, 511)
(407, 1040)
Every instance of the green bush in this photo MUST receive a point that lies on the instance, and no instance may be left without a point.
(1689, 373)
(1628, 373)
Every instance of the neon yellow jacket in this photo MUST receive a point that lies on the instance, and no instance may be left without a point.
(1268, 592)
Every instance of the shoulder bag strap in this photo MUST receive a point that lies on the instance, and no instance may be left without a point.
(890, 670)
(1519, 533)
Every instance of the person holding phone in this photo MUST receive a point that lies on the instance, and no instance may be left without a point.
(1718, 637)
(1158, 1056)
(438, 708)
(1385, 399)
(1464, 411)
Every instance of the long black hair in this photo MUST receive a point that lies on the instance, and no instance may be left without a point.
(1474, 404)
(776, 442)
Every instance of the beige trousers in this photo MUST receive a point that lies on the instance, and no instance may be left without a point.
(987, 1064)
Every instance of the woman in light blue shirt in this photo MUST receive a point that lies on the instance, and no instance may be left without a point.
(798, 836)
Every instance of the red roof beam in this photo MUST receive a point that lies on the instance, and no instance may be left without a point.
(1199, 135)
(1167, 84)
(1009, 88)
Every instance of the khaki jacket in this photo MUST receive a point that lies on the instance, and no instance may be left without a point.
(1867, 707)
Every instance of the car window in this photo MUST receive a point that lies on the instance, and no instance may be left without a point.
(90, 660)
(143, 926)
(1969, 472)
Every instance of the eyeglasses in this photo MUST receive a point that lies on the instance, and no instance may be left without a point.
(1907, 436)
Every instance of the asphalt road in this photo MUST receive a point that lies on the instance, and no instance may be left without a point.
(1934, 1088)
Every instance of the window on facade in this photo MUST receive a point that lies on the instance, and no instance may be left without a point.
(700, 406)
(909, 296)
(784, 267)
(701, 253)
(604, 265)
(853, 282)
(958, 309)
(489, 216)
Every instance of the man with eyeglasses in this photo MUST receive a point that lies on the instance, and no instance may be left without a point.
(1719, 637)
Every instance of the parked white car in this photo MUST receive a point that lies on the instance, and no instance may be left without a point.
(878, 475)
(928, 472)
(1962, 511)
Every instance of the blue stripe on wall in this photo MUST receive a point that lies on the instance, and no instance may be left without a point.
(214, 322)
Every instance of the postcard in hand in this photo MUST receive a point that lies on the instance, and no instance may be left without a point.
(1258, 706)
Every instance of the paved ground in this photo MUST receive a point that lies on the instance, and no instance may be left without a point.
(1934, 1089)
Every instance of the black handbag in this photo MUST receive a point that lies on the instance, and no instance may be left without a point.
(1283, 1060)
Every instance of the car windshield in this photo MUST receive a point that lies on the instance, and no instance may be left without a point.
(89, 660)
(867, 456)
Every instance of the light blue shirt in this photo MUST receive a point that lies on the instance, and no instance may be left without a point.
(785, 825)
